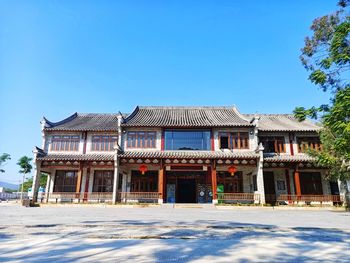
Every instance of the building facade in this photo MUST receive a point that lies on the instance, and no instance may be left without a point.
(182, 155)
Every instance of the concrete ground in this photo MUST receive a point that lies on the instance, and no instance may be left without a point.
(166, 234)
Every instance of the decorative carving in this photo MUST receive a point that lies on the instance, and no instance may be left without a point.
(236, 162)
(220, 161)
(139, 161)
(183, 161)
(167, 161)
(155, 161)
(228, 162)
(176, 161)
(244, 162)
(192, 161)
(131, 161)
(147, 161)
(200, 161)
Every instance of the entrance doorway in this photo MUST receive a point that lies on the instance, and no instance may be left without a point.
(269, 187)
(188, 186)
(186, 191)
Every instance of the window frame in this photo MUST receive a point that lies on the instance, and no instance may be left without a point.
(313, 143)
(141, 139)
(171, 143)
(235, 140)
(65, 143)
(96, 188)
(278, 148)
(72, 187)
(105, 143)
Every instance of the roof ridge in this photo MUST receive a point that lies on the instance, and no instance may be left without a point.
(186, 107)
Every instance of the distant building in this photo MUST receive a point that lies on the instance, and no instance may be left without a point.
(182, 155)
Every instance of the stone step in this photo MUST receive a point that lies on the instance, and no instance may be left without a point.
(191, 205)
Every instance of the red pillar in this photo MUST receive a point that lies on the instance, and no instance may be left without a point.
(297, 182)
(160, 185)
(214, 184)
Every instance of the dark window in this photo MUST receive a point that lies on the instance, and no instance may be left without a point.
(224, 139)
(141, 139)
(147, 182)
(311, 183)
(103, 181)
(312, 143)
(103, 143)
(187, 140)
(65, 143)
(273, 144)
(234, 140)
(232, 184)
(65, 181)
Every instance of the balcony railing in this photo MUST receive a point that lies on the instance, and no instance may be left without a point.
(310, 198)
(102, 197)
(60, 197)
(238, 197)
(140, 197)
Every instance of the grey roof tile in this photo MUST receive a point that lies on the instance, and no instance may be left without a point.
(186, 117)
(85, 122)
(287, 158)
(77, 157)
(282, 122)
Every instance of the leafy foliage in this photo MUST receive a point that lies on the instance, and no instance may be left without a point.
(29, 182)
(326, 55)
(3, 159)
(24, 164)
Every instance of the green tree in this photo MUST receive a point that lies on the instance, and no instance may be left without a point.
(25, 168)
(326, 55)
(29, 182)
(3, 159)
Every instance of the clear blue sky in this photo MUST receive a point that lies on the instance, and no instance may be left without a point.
(59, 57)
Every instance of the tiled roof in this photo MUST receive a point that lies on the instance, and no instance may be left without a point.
(84, 122)
(190, 154)
(186, 117)
(287, 158)
(77, 157)
(282, 122)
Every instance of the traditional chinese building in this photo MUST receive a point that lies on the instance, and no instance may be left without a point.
(182, 155)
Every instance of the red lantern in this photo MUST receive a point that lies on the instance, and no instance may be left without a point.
(232, 169)
(143, 169)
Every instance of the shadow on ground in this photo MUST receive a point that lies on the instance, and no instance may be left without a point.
(201, 240)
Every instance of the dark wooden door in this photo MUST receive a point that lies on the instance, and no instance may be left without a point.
(186, 191)
(269, 186)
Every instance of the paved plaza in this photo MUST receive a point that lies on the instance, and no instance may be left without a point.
(64, 233)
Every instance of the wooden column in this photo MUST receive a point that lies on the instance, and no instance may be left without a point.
(78, 186)
(297, 182)
(214, 184)
(161, 185)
